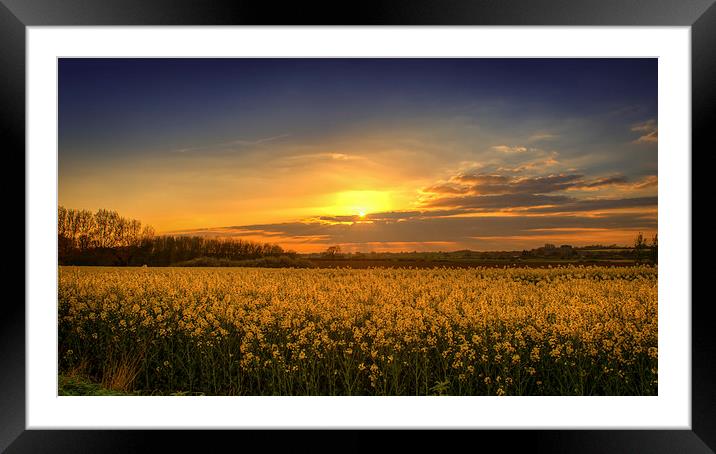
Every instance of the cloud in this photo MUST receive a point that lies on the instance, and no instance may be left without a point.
(491, 191)
(646, 182)
(233, 144)
(540, 137)
(351, 218)
(245, 142)
(446, 188)
(545, 184)
(394, 215)
(322, 156)
(600, 183)
(605, 181)
(343, 157)
(509, 149)
(500, 202)
(390, 216)
(617, 181)
(445, 233)
(533, 165)
(649, 131)
(481, 179)
(645, 126)
(652, 137)
(475, 192)
(598, 204)
(493, 184)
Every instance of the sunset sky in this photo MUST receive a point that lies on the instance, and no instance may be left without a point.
(369, 154)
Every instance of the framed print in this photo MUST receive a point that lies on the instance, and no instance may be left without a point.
(432, 218)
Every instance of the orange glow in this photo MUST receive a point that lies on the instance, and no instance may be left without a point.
(306, 199)
(359, 203)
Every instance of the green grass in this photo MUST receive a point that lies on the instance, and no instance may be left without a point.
(80, 386)
(76, 386)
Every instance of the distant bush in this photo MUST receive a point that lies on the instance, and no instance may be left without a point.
(282, 261)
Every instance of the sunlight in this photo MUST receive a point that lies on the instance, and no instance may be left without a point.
(361, 203)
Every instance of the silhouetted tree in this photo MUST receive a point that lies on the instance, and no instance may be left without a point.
(654, 249)
(106, 238)
(639, 246)
(333, 251)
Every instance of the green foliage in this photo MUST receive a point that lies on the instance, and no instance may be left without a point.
(441, 388)
(77, 386)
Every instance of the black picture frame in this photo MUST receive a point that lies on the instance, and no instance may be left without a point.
(16, 15)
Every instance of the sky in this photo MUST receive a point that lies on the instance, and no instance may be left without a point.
(370, 154)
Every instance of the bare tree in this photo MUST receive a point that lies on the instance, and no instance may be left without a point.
(105, 237)
(639, 246)
(654, 249)
(333, 251)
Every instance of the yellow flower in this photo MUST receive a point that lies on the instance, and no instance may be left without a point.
(512, 322)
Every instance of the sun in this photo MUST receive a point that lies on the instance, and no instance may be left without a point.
(360, 203)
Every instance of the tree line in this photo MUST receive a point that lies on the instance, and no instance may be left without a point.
(644, 251)
(106, 238)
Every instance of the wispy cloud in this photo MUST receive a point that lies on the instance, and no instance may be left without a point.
(447, 233)
(323, 156)
(617, 181)
(542, 137)
(509, 149)
(600, 183)
(245, 142)
(233, 144)
(649, 131)
(500, 202)
(648, 181)
(539, 164)
(446, 188)
(492, 184)
(597, 204)
(481, 193)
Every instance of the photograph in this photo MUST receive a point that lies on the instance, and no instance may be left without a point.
(357, 226)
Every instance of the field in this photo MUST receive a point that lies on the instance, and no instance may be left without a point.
(440, 331)
(467, 263)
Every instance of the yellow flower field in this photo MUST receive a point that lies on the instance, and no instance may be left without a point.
(256, 331)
